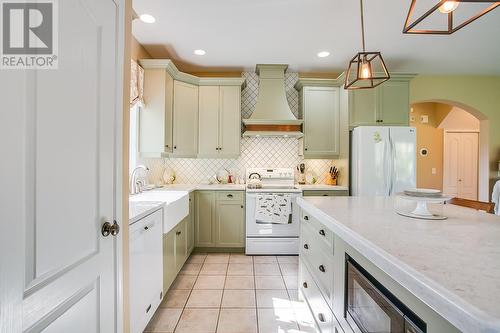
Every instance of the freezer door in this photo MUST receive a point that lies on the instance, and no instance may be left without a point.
(404, 158)
(370, 161)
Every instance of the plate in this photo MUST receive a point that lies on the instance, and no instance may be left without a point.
(423, 192)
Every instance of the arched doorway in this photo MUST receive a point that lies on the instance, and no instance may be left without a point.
(442, 126)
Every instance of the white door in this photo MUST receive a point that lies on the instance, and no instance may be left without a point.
(460, 170)
(58, 131)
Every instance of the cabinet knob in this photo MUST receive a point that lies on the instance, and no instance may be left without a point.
(306, 246)
(229, 195)
(322, 268)
(306, 218)
(166, 146)
(178, 233)
(322, 232)
(241, 206)
(321, 317)
(146, 228)
(175, 147)
(304, 284)
(305, 148)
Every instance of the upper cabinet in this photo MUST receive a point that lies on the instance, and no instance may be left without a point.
(220, 121)
(320, 105)
(188, 116)
(387, 104)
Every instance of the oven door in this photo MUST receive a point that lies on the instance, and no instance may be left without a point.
(369, 307)
(260, 229)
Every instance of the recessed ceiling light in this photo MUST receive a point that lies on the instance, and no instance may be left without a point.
(200, 52)
(323, 54)
(146, 18)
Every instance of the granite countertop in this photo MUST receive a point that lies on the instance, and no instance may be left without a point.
(453, 265)
(322, 187)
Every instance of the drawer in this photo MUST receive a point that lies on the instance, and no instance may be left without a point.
(323, 316)
(326, 193)
(324, 234)
(318, 260)
(230, 195)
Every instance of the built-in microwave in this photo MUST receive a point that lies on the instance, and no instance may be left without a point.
(370, 307)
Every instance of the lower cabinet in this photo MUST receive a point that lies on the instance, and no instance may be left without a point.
(146, 285)
(219, 219)
(178, 244)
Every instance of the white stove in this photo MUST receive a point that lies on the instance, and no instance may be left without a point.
(272, 215)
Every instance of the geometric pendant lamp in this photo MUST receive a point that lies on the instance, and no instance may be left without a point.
(366, 69)
(442, 17)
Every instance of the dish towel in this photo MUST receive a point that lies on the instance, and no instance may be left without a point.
(273, 208)
(495, 197)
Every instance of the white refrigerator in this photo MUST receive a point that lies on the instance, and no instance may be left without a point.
(383, 160)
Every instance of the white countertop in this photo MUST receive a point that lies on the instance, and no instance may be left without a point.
(201, 187)
(322, 187)
(139, 209)
(453, 265)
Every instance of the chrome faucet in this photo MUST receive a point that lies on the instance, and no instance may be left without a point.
(136, 185)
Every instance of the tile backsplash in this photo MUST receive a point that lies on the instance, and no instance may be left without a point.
(255, 152)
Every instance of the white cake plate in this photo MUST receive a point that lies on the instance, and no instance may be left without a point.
(421, 211)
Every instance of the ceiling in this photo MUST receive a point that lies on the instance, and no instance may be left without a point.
(238, 34)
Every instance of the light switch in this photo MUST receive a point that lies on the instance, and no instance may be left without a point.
(433, 171)
(424, 119)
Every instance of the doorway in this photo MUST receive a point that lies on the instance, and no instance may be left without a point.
(450, 143)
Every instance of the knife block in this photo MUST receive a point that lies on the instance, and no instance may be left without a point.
(331, 181)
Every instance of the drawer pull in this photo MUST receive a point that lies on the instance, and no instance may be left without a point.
(178, 233)
(146, 228)
(304, 284)
(306, 246)
(306, 218)
(322, 232)
(322, 268)
(229, 195)
(321, 317)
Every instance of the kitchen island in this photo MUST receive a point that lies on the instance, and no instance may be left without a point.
(451, 266)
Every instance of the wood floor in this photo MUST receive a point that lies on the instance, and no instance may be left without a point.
(234, 293)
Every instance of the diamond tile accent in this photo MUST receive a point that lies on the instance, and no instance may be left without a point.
(255, 152)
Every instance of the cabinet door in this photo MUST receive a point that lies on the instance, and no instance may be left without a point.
(169, 268)
(393, 103)
(205, 216)
(169, 114)
(185, 119)
(180, 244)
(230, 224)
(190, 225)
(208, 142)
(152, 117)
(363, 107)
(321, 122)
(230, 121)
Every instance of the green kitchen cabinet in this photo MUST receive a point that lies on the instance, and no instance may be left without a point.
(229, 224)
(219, 219)
(190, 225)
(204, 219)
(180, 244)
(325, 193)
(169, 267)
(387, 104)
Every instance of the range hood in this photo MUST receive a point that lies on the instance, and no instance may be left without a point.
(272, 115)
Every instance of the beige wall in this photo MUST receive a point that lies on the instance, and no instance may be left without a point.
(137, 51)
(459, 120)
(479, 95)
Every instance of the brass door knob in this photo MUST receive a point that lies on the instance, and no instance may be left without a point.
(110, 229)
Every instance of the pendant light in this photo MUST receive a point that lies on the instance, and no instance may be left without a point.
(366, 69)
(446, 9)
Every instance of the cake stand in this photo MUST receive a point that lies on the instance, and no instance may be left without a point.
(421, 211)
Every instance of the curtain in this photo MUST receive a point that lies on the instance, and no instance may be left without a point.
(136, 84)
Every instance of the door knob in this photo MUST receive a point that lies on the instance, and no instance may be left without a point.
(108, 228)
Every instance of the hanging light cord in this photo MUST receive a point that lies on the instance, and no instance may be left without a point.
(362, 25)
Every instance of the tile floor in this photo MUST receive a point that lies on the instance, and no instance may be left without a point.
(234, 293)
